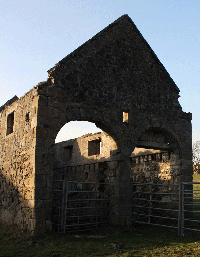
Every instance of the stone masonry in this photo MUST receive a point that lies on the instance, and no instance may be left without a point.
(114, 80)
(73, 161)
(17, 161)
(75, 151)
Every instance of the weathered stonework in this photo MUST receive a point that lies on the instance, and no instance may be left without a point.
(17, 161)
(79, 150)
(147, 165)
(114, 80)
(161, 168)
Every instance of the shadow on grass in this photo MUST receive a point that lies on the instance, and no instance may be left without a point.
(138, 241)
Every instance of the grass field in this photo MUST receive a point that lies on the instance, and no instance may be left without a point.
(196, 178)
(141, 241)
(196, 188)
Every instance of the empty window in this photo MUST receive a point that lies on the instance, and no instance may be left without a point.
(10, 123)
(94, 147)
(68, 152)
(126, 116)
(27, 117)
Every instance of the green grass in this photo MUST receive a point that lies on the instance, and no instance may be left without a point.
(196, 178)
(141, 241)
(196, 195)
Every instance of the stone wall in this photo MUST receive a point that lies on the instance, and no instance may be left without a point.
(98, 172)
(147, 165)
(160, 168)
(74, 152)
(17, 160)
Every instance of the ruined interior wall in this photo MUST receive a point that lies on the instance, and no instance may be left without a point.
(138, 151)
(17, 161)
(79, 151)
(147, 165)
(79, 166)
(163, 167)
(98, 172)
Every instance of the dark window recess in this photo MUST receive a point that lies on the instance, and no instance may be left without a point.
(102, 185)
(94, 147)
(126, 116)
(68, 152)
(103, 165)
(86, 175)
(132, 159)
(10, 123)
(27, 117)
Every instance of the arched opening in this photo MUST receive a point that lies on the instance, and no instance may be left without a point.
(75, 129)
(81, 176)
(156, 169)
(79, 143)
(156, 158)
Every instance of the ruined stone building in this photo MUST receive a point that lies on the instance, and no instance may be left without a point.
(116, 81)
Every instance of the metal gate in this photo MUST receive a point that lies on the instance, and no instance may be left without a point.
(174, 206)
(79, 206)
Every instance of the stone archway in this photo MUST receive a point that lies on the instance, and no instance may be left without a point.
(156, 158)
(119, 171)
(86, 149)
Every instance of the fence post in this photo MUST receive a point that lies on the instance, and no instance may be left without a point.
(67, 188)
(183, 214)
(150, 203)
(63, 207)
(134, 202)
(180, 211)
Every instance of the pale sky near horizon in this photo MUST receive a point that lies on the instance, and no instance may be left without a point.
(35, 35)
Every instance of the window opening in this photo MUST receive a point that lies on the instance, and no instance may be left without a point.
(126, 116)
(68, 152)
(27, 117)
(10, 123)
(94, 147)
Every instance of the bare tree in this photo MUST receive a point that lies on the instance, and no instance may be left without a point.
(196, 157)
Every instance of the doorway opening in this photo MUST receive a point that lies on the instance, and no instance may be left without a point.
(81, 177)
(156, 158)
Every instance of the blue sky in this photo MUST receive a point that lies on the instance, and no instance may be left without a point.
(35, 35)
